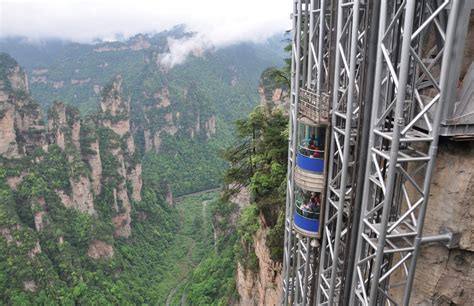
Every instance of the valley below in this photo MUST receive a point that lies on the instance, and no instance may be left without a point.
(192, 241)
(113, 188)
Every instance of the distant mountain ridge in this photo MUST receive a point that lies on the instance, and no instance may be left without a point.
(73, 186)
(31, 53)
(58, 68)
(184, 112)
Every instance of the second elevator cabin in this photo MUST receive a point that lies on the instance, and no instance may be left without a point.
(310, 163)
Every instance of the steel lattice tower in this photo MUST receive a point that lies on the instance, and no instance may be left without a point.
(348, 72)
(415, 46)
(385, 65)
(290, 247)
(310, 70)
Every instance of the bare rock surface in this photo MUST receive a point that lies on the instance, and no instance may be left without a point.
(263, 287)
(99, 249)
(443, 276)
(81, 198)
(29, 285)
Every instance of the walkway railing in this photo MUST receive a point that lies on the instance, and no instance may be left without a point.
(304, 149)
(306, 212)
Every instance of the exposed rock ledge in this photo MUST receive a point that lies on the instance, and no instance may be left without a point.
(265, 286)
(98, 249)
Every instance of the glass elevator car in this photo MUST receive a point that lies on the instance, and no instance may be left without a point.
(310, 177)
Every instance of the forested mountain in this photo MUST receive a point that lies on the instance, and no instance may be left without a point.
(95, 140)
(79, 225)
(67, 191)
(182, 111)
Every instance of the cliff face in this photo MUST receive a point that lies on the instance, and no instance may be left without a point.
(265, 286)
(69, 162)
(446, 276)
(115, 117)
(272, 93)
(277, 96)
(90, 149)
(262, 287)
(21, 126)
(170, 110)
(8, 144)
(64, 130)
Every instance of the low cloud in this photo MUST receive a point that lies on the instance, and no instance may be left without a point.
(218, 23)
(180, 49)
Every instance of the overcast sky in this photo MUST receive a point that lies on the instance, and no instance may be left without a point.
(221, 22)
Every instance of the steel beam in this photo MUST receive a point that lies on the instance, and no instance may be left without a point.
(410, 86)
(309, 74)
(288, 253)
(348, 71)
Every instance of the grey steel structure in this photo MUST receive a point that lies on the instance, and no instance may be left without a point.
(290, 253)
(415, 46)
(309, 79)
(348, 72)
(401, 80)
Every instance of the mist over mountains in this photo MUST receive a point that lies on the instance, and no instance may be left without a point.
(179, 44)
(86, 21)
(106, 135)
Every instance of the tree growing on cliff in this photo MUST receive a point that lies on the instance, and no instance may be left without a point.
(258, 161)
(258, 157)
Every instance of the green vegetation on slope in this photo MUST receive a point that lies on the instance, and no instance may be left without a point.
(202, 270)
(62, 271)
(187, 165)
(258, 161)
(191, 240)
(169, 248)
(221, 85)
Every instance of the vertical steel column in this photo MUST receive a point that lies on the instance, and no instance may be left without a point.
(309, 51)
(444, 96)
(311, 48)
(317, 47)
(305, 33)
(290, 250)
(303, 270)
(299, 263)
(397, 126)
(373, 10)
(307, 272)
(322, 48)
(410, 87)
(357, 274)
(347, 74)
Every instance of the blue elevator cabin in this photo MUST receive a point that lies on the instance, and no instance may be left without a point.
(311, 156)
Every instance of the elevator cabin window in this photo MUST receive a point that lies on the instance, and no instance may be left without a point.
(311, 140)
(311, 147)
(307, 212)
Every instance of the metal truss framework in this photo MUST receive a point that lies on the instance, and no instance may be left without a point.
(348, 74)
(290, 247)
(310, 66)
(318, 45)
(416, 40)
(414, 49)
